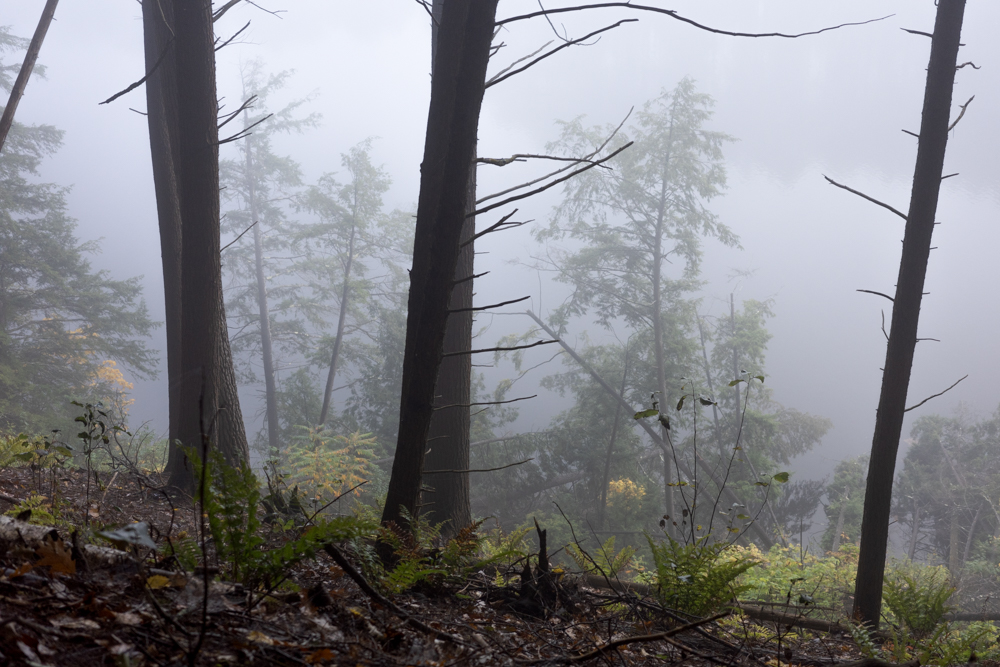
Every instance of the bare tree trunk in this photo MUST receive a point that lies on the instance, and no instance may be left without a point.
(267, 352)
(466, 32)
(338, 343)
(602, 508)
(968, 537)
(840, 521)
(711, 389)
(915, 533)
(906, 308)
(21, 82)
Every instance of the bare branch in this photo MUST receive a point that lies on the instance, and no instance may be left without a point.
(868, 291)
(509, 465)
(166, 49)
(495, 305)
(467, 278)
(914, 407)
(500, 349)
(970, 64)
(864, 196)
(502, 224)
(516, 62)
(912, 134)
(498, 78)
(223, 9)
(949, 176)
(472, 405)
(585, 158)
(523, 157)
(917, 32)
(547, 185)
(961, 113)
(246, 105)
(244, 133)
(674, 15)
(235, 35)
(238, 237)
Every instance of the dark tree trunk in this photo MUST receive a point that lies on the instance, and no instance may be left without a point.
(338, 342)
(447, 497)
(906, 308)
(184, 151)
(466, 31)
(21, 82)
(267, 352)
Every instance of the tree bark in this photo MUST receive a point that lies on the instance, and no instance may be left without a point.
(906, 308)
(21, 82)
(839, 531)
(267, 352)
(466, 31)
(915, 533)
(338, 342)
(184, 152)
(447, 500)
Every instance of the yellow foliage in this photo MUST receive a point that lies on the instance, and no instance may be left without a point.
(325, 465)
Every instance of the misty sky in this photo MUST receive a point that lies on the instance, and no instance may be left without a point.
(832, 104)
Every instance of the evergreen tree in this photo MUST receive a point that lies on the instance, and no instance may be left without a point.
(60, 320)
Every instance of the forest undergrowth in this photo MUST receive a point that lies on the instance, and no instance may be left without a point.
(99, 565)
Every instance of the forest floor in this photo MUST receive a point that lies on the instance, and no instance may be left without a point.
(64, 604)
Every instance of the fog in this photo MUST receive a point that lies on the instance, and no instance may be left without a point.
(830, 104)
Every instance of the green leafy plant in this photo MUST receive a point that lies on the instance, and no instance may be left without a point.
(917, 596)
(698, 578)
(325, 464)
(43, 512)
(245, 553)
(603, 561)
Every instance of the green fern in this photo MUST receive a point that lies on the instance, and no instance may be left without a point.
(699, 578)
(603, 561)
(918, 596)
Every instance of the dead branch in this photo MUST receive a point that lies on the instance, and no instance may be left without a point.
(970, 64)
(235, 35)
(523, 157)
(21, 82)
(914, 407)
(10, 499)
(500, 349)
(864, 196)
(244, 133)
(960, 114)
(917, 32)
(509, 465)
(674, 15)
(349, 570)
(247, 103)
(949, 176)
(516, 62)
(467, 278)
(912, 134)
(223, 9)
(624, 641)
(472, 405)
(498, 78)
(548, 185)
(494, 305)
(239, 237)
(562, 169)
(502, 224)
(868, 291)
(166, 49)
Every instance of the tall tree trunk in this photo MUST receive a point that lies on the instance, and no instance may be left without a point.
(161, 110)
(661, 373)
(605, 478)
(466, 31)
(839, 531)
(906, 308)
(21, 82)
(446, 496)
(338, 343)
(915, 533)
(184, 151)
(968, 537)
(267, 352)
(711, 389)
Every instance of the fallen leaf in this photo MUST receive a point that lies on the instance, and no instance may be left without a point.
(320, 656)
(134, 533)
(22, 570)
(56, 555)
(128, 618)
(158, 581)
(260, 638)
